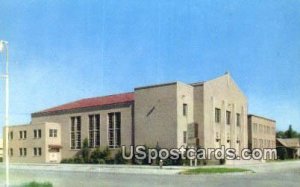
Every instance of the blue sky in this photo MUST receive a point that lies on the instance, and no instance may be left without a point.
(61, 51)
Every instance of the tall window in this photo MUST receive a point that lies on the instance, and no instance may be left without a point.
(217, 115)
(94, 130)
(114, 129)
(11, 152)
(238, 119)
(24, 151)
(21, 151)
(24, 134)
(185, 109)
(76, 132)
(21, 134)
(228, 117)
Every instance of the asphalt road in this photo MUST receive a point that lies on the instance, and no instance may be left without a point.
(265, 175)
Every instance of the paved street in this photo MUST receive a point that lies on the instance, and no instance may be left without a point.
(271, 174)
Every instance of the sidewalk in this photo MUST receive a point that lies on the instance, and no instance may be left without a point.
(128, 169)
(146, 169)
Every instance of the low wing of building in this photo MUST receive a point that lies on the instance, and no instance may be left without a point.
(292, 145)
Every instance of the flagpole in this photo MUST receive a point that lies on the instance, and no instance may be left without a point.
(5, 44)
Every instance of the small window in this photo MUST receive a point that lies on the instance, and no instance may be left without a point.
(39, 133)
(37, 151)
(217, 115)
(254, 127)
(260, 128)
(21, 134)
(11, 135)
(21, 151)
(184, 136)
(238, 119)
(24, 134)
(185, 109)
(40, 151)
(54, 132)
(228, 117)
(24, 151)
(35, 133)
(11, 152)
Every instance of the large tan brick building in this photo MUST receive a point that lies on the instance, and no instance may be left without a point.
(206, 114)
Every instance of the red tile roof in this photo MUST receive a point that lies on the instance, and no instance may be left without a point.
(92, 102)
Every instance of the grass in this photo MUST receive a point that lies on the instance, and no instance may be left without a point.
(285, 160)
(212, 170)
(37, 184)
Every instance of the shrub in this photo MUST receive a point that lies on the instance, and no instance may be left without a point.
(85, 151)
(144, 161)
(78, 160)
(282, 153)
(67, 161)
(118, 159)
(38, 184)
(101, 161)
(100, 154)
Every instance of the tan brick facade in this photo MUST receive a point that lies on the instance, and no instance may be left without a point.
(207, 114)
(262, 132)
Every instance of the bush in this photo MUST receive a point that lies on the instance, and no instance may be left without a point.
(144, 161)
(67, 161)
(118, 159)
(78, 160)
(98, 154)
(282, 153)
(38, 184)
(101, 161)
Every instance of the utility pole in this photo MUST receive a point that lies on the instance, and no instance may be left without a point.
(4, 46)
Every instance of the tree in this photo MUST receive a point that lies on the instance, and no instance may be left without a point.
(280, 134)
(290, 133)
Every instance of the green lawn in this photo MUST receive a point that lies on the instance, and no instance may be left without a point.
(212, 170)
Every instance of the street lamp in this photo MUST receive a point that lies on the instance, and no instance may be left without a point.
(4, 47)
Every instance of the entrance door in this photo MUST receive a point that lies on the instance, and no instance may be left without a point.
(53, 156)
